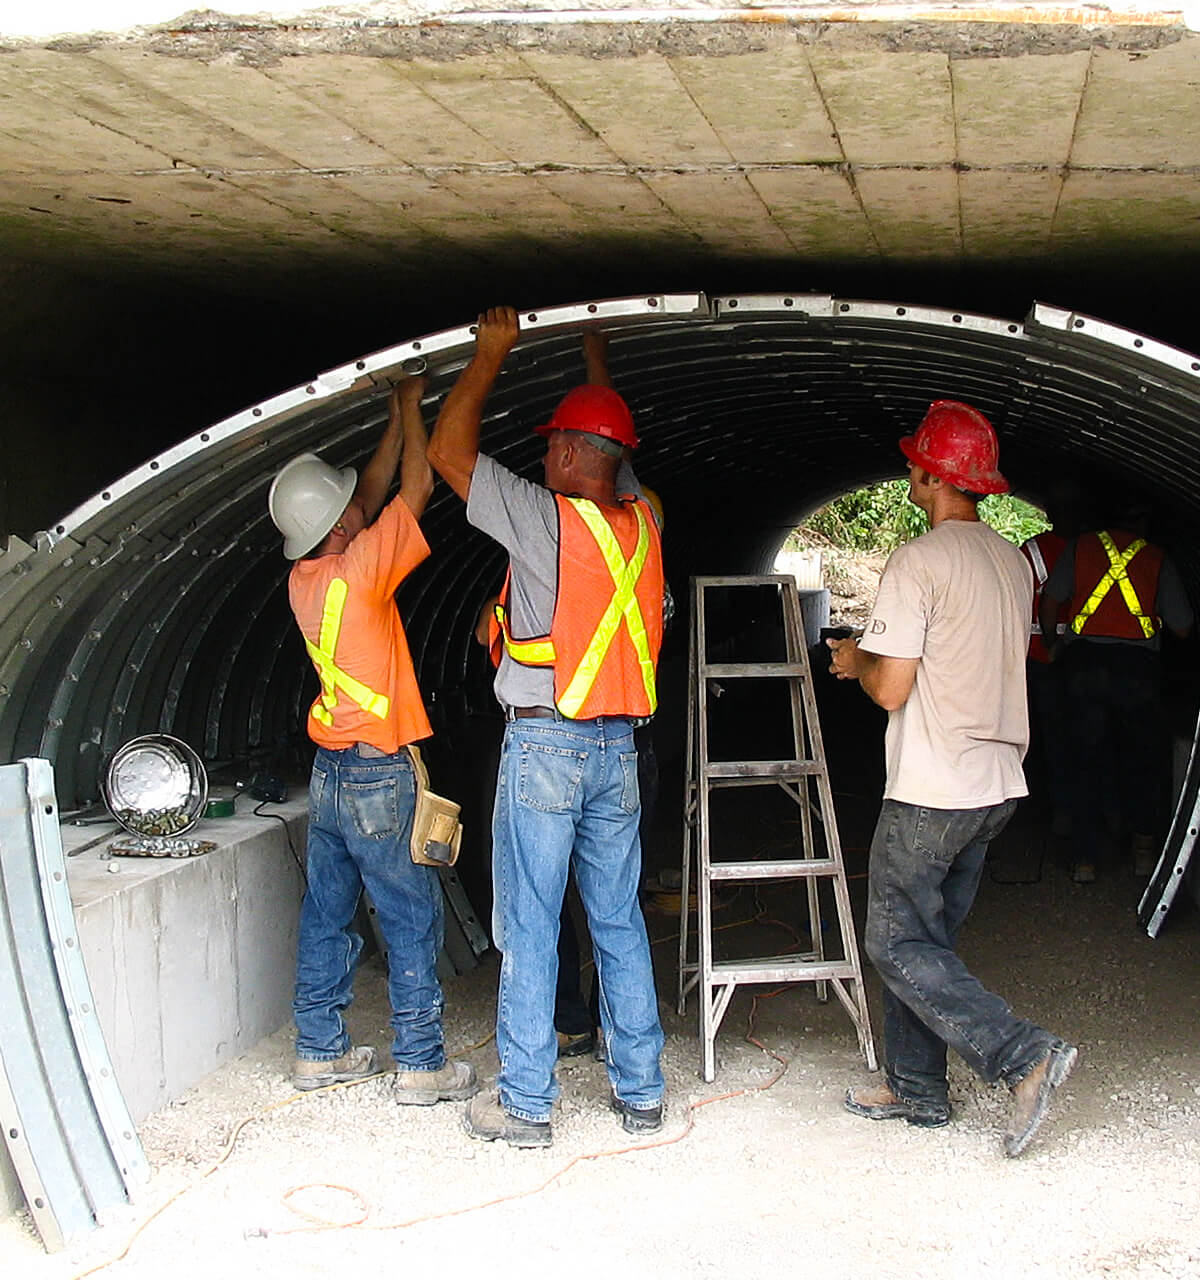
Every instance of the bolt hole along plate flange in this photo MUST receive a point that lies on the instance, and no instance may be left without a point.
(156, 786)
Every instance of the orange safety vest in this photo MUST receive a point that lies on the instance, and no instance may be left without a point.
(1042, 552)
(607, 628)
(1116, 585)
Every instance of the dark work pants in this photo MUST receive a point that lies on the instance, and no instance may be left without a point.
(1046, 765)
(1116, 739)
(925, 869)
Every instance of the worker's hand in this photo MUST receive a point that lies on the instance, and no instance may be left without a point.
(497, 332)
(844, 660)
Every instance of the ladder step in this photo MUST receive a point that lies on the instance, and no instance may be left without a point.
(780, 870)
(775, 770)
(800, 968)
(737, 670)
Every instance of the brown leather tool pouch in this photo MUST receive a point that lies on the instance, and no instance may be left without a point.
(437, 831)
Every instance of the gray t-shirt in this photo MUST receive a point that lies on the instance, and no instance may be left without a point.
(523, 517)
(959, 599)
(1170, 601)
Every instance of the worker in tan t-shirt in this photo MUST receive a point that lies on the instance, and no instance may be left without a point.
(351, 554)
(944, 654)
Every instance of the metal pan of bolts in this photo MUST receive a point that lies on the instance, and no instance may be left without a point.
(156, 786)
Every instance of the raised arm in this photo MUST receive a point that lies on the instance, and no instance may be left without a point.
(455, 443)
(595, 357)
(416, 475)
(404, 436)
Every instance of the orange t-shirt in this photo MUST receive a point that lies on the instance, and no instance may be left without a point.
(345, 607)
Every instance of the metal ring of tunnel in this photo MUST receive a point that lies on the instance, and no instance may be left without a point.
(160, 603)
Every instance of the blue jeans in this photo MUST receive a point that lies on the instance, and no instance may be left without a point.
(359, 823)
(925, 869)
(567, 796)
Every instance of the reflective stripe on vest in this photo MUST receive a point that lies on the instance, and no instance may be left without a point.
(622, 607)
(332, 677)
(1118, 564)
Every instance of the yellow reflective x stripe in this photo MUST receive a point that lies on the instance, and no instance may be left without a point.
(332, 677)
(533, 653)
(623, 605)
(1118, 564)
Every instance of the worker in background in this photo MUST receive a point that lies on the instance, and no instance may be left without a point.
(1117, 592)
(1047, 698)
(944, 654)
(351, 553)
(581, 624)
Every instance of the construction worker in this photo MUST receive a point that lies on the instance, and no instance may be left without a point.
(581, 624)
(1047, 711)
(1117, 592)
(944, 654)
(351, 555)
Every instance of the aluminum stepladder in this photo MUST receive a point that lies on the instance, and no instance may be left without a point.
(805, 780)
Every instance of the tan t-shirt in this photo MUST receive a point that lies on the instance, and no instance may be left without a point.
(344, 605)
(958, 598)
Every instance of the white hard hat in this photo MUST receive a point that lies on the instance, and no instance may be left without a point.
(306, 500)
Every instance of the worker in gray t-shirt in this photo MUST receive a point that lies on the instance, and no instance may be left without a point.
(581, 624)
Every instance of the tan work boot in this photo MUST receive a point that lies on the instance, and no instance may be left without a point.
(355, 1064)
(572, 1045)
(486, 1119)
(455, 1082)
(878, 1102)
(1031, 1096)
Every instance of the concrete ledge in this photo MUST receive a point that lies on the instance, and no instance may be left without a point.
(191, 961)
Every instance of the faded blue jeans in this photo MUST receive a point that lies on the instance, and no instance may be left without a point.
(567, 796)
(359, 822)
(925, 869)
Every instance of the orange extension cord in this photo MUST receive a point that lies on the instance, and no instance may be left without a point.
(360, 1223)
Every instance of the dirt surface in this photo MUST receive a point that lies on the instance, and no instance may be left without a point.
(757, 1170)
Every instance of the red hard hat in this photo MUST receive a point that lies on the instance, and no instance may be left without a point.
(596, 409)
(956, 442)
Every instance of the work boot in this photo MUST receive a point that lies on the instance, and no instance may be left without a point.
(637, 1119)
(1145, 856)
(455, 1082)
(879, 1102)
(575, 1046)
(1031, 1095)
(355, 1064)
(485, 1118)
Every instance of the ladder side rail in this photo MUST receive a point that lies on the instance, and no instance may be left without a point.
(803, 710)
(704, 925)
(691, 780)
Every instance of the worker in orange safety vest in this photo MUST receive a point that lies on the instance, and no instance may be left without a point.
(350, 553)
(581, 625)
(1117, 591)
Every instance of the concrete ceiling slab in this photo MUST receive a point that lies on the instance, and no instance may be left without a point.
(888, 108)
(1018, 111)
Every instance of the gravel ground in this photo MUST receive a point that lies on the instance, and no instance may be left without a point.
(760, 1169)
